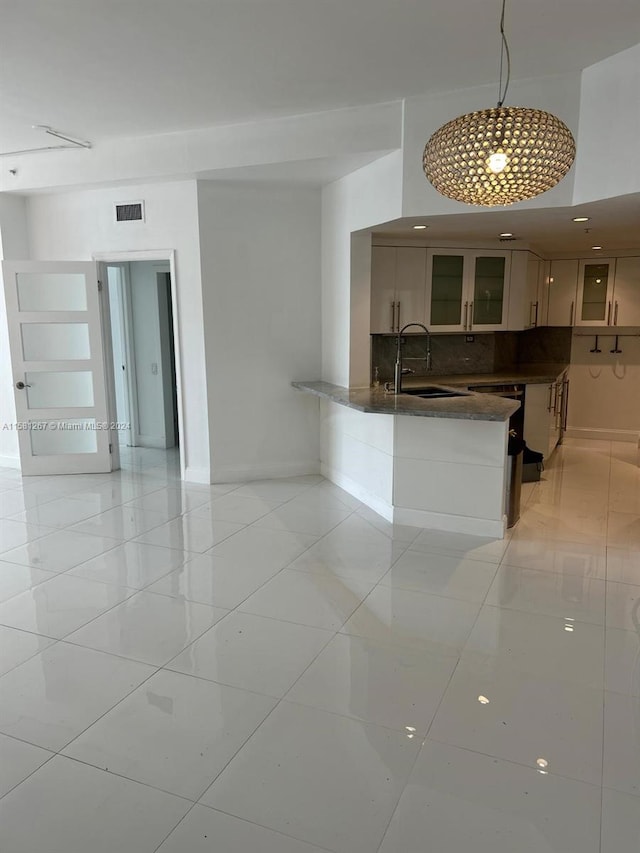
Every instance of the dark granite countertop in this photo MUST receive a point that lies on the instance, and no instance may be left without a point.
(520, 374)
(470, 406)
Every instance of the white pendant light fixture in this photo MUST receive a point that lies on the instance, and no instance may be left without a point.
(499, 155)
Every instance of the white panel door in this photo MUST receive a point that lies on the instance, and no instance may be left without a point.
(55, 337)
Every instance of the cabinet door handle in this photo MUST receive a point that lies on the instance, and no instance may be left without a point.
(609, 314)
(466, 315)
(531, 323)
(393, 316)
(550, 395)
(470, 315)
(615, 314)
(573, 305)
(398, 319)
(535, 316)
(565, 404)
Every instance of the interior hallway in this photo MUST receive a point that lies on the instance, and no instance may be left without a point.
(270, 667)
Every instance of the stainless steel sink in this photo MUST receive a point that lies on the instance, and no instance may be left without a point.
(431, 392)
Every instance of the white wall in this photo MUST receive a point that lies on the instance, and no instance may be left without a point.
(261, 293)
(607, 163)
(78, 225)
(365, 198)
(150, 333)
(13, 246)
(604, 393)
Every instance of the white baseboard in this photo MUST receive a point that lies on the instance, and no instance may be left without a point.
(269, 471)
(197, 475)
(450, 523)
(10, 462)
(357, 491)
(604, 434)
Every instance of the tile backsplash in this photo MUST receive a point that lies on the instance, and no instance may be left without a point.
(486, 353)
(546, 345)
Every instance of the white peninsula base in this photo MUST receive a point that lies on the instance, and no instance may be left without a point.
(442, 473)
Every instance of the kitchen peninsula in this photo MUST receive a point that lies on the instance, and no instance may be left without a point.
(439, 463)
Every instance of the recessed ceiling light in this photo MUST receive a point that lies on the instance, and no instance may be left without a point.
(483, 700)
(506, 234)
(581, 218)
(595, 248)
(419, 227)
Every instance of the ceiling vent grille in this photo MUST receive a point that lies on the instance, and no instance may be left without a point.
(131, 211)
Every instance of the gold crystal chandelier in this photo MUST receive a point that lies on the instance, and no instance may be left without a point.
(499, 155)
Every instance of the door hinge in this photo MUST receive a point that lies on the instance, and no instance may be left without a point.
(111, 448)
(99, 286)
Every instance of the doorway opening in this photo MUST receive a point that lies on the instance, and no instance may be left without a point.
(144, 394)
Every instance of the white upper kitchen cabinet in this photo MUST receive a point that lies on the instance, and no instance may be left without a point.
(626, 292)
(595, 292)
(532, 300)
(527, 291)
(562, 294)
(467, 290)
(397, 287)
(383, 289)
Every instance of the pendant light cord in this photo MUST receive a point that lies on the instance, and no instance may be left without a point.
(504, 54)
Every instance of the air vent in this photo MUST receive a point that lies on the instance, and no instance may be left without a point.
(131, 211)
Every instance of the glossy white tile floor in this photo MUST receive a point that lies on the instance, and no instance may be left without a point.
(271, 668)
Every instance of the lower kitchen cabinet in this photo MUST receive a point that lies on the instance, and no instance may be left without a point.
(545, 409)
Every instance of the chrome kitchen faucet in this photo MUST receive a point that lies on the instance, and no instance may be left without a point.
(399, 369)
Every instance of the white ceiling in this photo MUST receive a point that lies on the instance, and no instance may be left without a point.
(614, 224)
(111, 68)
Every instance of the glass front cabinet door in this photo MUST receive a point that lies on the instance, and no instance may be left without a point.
(595, 292)
(467, 290)
(446, 291)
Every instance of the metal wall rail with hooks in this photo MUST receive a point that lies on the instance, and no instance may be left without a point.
(607, 335)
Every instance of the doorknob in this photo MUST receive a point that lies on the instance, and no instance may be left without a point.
(21, 385)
